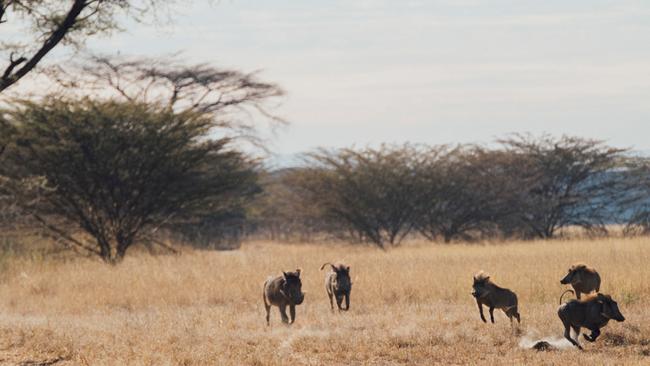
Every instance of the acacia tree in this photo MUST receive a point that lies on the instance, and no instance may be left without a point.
(118, 169)
(46, 24)
(467, 191)
(200, 92)
(575, 182)
(371, 192)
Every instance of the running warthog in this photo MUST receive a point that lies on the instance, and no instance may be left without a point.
(338, 284)
(489, 294)
(582, 278)
(282, 291)
(592, 313)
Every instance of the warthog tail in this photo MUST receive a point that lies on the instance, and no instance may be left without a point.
(264, 292)
(561, 296)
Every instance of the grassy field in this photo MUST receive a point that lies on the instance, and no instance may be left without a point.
(410, 305)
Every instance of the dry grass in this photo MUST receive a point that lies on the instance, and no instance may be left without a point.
(411, 305)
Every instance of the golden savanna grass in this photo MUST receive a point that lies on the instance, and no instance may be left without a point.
(410, 305)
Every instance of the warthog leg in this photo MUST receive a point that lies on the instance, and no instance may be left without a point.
(283, 313)
(480, 310)
(567, 335)
(331, 301)
(339, 301)
(268, 313)
(292, 312)
(267, 307)
(594, 334)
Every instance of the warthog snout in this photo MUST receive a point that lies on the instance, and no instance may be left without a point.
(567, 279)
(610, 308)
(479, 290)
(299, 299)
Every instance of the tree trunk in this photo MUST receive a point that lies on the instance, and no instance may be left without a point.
(105, 250)
(123, 243)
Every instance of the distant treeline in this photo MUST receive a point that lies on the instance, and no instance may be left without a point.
(524, 187)
(100, 176)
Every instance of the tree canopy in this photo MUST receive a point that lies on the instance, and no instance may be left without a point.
(115, 170)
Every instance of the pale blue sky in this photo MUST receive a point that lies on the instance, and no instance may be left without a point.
(370, 71)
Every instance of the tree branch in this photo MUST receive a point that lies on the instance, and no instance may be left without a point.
(9, 77)
(12, 65)
(166, 246)
(65, 236)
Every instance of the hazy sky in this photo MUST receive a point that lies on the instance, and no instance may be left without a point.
(363, 72)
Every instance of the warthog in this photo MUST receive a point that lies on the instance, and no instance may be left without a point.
(582, 278)
(592, 313)
(338, 284)
(282, 291)
(489, 294)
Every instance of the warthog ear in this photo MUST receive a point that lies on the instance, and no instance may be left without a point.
(284, 274)
(347, 268)
(298, 272)
(607, 309)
